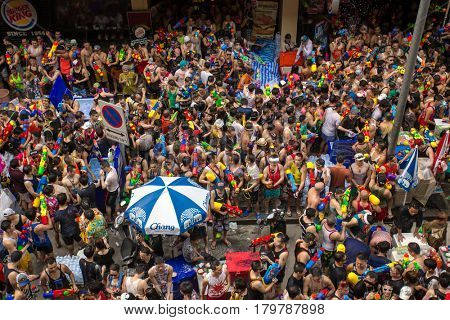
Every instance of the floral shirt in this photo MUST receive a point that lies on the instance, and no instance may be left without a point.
(96, 228)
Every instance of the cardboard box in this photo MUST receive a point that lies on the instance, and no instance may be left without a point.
(399, 196)
(427, 182)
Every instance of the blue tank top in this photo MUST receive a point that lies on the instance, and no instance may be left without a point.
(40, 241)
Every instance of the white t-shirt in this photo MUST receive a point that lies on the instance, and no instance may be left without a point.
(204, 75)
(112, 180)
(332, 121)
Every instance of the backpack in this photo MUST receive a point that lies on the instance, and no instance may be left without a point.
(90, 271)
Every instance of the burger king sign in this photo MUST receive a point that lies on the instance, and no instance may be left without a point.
(19, 14)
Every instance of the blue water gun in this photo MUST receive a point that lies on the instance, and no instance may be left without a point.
(163, 146)
(42, 183)
(291, 180)
(271, 273)
(315, 258)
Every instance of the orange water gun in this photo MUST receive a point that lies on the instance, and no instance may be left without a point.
(52, 50)
(8, 59)
(7, 131)
(147, 75)
(136, 56)
(365, 132)
(98, 70)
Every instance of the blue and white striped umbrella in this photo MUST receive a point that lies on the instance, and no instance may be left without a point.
(168, 205)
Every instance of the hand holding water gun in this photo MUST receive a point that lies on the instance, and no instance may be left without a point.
(189, 119)
(290, 176)
(345, 200)
(232, 211)
(314, 259)
(42, 183)
(152, 112)
(271, 273)
(57, 144)
(174, 116)
(262, 240)
(230, 178)
(8, 59)
(54, 294)
(163, 145)
(43, 209)
(98, 70)
(195, 163)
(311, 173)
(52, 50)
(23, 236)
(365, 132)
(267, 90)
(184, 139)
(206, 146)
(180, 23)
(43, 161)
(323, 203)
(7, 131)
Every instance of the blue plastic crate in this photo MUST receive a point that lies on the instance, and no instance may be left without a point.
(343, 147)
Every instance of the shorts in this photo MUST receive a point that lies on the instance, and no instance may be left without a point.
(68, 240)
(326, 258)
(272, 193)
(45, 249)
(221, 224)
(380, 216)
(111, 198)
(199, 232)
(327, 139)
(25, 261)
(25, 197)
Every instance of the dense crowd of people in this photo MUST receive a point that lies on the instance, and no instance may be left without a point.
(212, 116)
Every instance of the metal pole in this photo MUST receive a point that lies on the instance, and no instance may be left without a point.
(446, 14)
(410, 68)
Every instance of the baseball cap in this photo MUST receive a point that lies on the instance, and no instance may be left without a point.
(183, 63)
(96, 47)
(22, 280)
(359, 157)
(219, 123)
(8, 212)
(73, 42)
(405, 293)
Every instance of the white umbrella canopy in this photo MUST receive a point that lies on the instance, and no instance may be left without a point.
(168, 205)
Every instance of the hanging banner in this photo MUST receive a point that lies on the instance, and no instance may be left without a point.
(265, 19)
(140, 24)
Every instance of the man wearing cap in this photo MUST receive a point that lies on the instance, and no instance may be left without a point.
(180, 74)
(360, 171)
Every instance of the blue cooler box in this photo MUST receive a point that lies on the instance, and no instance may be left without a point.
(184, 272)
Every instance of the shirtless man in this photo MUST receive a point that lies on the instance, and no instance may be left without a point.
(98, 59)
(135, 284)
(315, 282)
(72, 179)
(313, 198)
(86, 53)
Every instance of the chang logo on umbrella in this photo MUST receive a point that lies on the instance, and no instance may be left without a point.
(137, 215)
(19, 14)
(189, 217)
(159, 226)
